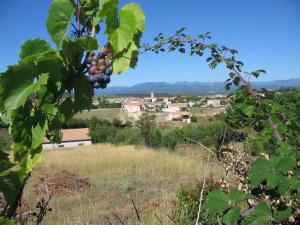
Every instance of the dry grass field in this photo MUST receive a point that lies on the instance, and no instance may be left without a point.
(117, 175)
(108, 114)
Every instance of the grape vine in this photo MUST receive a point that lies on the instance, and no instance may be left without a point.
(47, 86)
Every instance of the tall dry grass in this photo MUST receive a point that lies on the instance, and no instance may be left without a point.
(117, 175)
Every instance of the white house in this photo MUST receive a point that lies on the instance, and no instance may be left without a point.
(176, 107)
(133, 106)
(70, 138)
(214, 102)
(183, 116)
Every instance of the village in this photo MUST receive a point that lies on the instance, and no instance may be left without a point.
(175, 108)
(169, 109)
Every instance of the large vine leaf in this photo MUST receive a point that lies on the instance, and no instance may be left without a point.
(259, 171)
(9, 185)
(21, 82)
(59, 19)
(126, 60)
(261, 215)
(108, 9)
(216, 201)
(33, 46)
(132, 21)
(83, 98)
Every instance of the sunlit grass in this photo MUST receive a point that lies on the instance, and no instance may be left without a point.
(117, 175)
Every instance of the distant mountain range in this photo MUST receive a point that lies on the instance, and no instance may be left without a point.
(191, 87)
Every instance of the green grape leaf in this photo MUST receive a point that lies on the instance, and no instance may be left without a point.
(6, 221)
(21, 82)
(286, 163)
(9, 185)
(216, 201)
(27, 158)
(59, 19)
(87, 43)
(39, 133)
(273, 179)
(128, 59)
(109, 9)
(44, 56)
(33, 46)
(259, 171)
(237, 196)
(5, 164)
(283, 185)
(232, 216)
(283, 214)
(132, 21)
(261, 215)
(83, 95)
(67, 109)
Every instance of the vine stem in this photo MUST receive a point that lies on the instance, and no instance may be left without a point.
(258, 100)
(202, 190)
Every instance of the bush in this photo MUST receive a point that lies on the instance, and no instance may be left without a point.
(194, 119)
(169, 140)
(186, 206)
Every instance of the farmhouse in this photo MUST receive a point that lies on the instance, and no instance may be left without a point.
(183, 116)
(214, 102)
(176, 107)
(70, 138)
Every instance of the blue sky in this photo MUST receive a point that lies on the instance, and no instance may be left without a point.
(266, 33)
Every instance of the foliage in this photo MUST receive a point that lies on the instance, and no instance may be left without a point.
(147, 127)
(103, 103)
(194, 119)
(187, 203)
(48, 86)
(273, 181)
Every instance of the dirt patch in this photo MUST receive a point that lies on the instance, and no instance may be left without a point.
(60, 183)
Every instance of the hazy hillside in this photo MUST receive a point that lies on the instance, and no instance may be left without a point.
(192, 87)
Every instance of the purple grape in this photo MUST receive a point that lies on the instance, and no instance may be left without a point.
(99, 77)
(108, 72)
(101, 55)
(108, 64)
(106, 78)
(103, 85)
(97, 85)
(91, 78)
(89, 60)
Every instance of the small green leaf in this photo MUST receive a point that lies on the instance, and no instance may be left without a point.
(283, 214)
(59, 19)
(232, 216)
(6, 221)
(261, 215)
(216, 201)
(237, 196)
(33, 46)
(286, 163)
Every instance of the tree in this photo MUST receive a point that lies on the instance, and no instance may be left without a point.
(48, 86)
(146, 125)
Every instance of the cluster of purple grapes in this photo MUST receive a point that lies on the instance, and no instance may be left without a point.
(100, 67)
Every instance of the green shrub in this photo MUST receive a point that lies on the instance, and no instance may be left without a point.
(186, 206)
(194, 119)
(169, 140)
